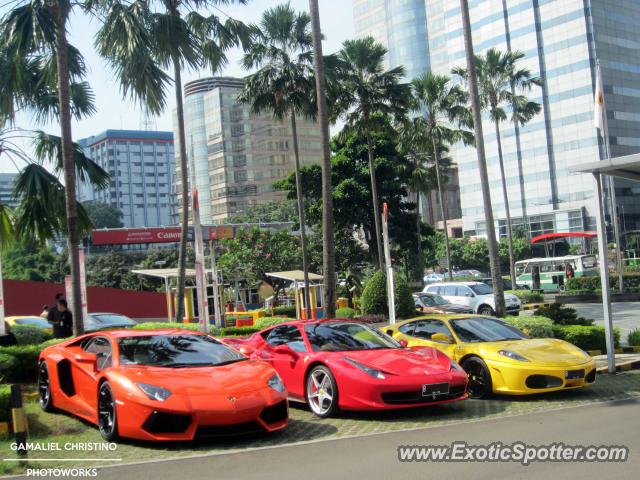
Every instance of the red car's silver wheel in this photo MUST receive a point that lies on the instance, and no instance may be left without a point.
(322, 392)
(44, 388)
(107, 420)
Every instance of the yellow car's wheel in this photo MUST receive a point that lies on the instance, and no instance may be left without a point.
(480, 385)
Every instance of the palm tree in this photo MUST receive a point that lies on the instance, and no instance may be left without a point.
(34, 33)
(142, 40)
(328, 245)
(415, 145)
(498, 80)
(284, 85)
(474, 98)
(444, 107)
(364, 92)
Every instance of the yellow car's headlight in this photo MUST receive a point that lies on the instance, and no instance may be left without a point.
(513, 355)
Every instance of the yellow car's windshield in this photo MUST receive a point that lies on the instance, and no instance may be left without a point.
(484, 329)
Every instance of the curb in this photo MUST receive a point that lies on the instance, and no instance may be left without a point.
(595, 353)
(534, 306)
(623, 367)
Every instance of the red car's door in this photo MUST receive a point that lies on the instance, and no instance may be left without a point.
(285, 349)
(86, 372)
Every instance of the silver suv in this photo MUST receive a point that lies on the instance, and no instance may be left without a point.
(476, 295)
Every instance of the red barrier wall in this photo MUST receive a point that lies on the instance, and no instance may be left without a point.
(23, 297)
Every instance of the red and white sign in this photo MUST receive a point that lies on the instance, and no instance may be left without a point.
(2, 332)
(137, 235)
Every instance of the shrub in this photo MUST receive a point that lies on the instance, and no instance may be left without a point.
(562, 315)
(158, 325)
(25, 368)
(30, 335)
(527, 296)
(237, 331)
(345, 313)
(7, 365)
(534, 326)
(374, 297)
(287, 310)
(373, 318)
(592, 283)
(53, 341)
(634, 338)
(5, 403)
(585, 337)
(266, 322)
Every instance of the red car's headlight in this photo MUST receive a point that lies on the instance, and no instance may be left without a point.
(154, 393)
(368, 370)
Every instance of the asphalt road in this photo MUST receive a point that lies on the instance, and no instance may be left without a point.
(626, 315)
(375, 456)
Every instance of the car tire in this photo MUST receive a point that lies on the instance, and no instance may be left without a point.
(45, 398)
(486, 310)
(480, 385)
(107, 413)
(322, 392)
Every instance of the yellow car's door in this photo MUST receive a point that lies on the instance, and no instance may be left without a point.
(434, 333)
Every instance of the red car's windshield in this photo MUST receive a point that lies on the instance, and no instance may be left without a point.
(175, 351)
(342, 336)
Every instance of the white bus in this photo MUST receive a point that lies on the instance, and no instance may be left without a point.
(551, 273)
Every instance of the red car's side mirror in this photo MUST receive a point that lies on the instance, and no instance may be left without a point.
(404, 343)
(87, 358)
(285, 349)
(246, 350)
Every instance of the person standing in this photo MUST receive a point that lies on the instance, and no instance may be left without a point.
(61, 318)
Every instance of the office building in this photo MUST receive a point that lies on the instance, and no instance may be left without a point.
(7, 182)
(238, 155)
(142, 168)
(561, 41)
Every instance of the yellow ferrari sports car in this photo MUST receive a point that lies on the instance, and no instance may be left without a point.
(498, 357)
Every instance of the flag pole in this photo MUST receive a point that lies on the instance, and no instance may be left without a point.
(610, 181)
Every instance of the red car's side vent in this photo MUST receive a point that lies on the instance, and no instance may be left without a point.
(65, 378)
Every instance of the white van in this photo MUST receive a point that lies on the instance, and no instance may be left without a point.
(476, 295)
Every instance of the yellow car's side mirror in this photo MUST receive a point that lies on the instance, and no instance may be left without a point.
(442, 338)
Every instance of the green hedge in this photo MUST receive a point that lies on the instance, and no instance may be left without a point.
(266, 322)
(7, 366)
(287, 310)
(5, 403)
(30, 335)
(585, 337)
(634, 338)
(592, 283)
(345, 313)
(534, 326)
(562, 315)
(25, 365)
(215, 331)
(160, 325)
(374, 296)
(527, 296)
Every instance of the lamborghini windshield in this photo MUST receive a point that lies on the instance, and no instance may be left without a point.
(483, 329)
(176, 351)
(340, 336)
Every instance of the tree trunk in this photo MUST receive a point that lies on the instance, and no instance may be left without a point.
(303, 232)
(184, 194)
(328, 255)
(374, 201)
(419, 259)
(64, 98)
(512, 265)
(494, 259)
(436, 157)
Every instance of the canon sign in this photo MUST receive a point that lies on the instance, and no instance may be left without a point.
(128, 236)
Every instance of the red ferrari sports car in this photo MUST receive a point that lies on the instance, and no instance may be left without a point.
(161, 385)
(342, 364)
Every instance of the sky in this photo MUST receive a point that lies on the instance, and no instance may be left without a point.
(114, 112)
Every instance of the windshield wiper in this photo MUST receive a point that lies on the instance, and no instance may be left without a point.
(227, 362)
(187, 365)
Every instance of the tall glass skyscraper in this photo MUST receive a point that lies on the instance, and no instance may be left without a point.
(561, 40)
(238, 155)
